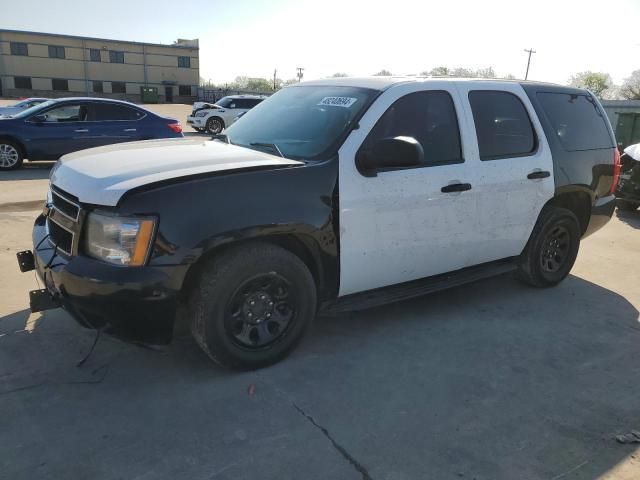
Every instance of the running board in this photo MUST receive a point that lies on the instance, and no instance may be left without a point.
(417, 288)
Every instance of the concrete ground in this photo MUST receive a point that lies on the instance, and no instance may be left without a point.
(493, 380)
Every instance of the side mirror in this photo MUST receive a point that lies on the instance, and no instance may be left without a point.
(391, 153)
(39, 118)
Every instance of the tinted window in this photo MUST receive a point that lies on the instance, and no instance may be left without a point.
(116, 57)
(66, 113)
(184, 90)
(118, 87)
(110, 111)
(19, 48)
(60, 84)
(184, 62)
(22, 82)
(576, 120)
(430, 118)
(225, 102)
(56, 52)
(94, 55)
(98, 87)
(502, 125)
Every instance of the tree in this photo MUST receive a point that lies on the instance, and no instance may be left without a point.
(630, 88)
(339, 75)
(485, 73)
(383, 73)
(438, 72)
(259, 84)
(597, 82)
(463, 72)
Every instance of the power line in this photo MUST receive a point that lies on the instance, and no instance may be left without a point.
(530, 51)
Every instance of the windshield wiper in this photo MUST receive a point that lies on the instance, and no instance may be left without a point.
(272, 146)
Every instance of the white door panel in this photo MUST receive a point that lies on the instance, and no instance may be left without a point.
(399, 226)
(508, 203)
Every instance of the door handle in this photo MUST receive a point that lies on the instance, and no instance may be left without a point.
(538, 174)
(81, 130)
(456, 187)
(129, 129)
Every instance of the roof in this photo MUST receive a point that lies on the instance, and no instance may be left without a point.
(382, 83)
(44, 34)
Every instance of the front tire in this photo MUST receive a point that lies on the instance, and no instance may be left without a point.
(552, 248)
(215, 125)
(11, 156)
(252, 306)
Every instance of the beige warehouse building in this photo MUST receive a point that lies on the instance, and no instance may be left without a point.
(36, 64)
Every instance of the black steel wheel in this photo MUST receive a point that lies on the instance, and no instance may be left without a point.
(552, 248)
(252, 305)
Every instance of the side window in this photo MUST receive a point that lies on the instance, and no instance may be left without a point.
(577, 121)
(107, 112)
(503, 126)
(66, 113)
(94, 55)
(430, 118)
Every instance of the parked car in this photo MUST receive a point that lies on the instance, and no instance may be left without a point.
(214, 118)
(628, 190)
(57, 127)
(23, 104)
(332, 195)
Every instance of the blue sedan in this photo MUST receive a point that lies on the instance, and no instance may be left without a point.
(57, 127)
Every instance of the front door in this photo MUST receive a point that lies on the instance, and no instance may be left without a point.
(168, 94)
(58, 131)
(400, 225)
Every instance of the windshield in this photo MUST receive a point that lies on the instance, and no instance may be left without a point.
(21, 104)
(302, 122)
(224, 102)
(31, 110)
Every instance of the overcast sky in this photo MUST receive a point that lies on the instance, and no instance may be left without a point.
(361, 37)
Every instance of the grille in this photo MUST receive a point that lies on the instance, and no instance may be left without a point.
(60, 237)
(65, 206)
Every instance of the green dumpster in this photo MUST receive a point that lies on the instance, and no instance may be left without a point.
(149, 94)
(628, 129)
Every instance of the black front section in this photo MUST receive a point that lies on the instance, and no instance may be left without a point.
(628, 187)
(138, 304)
(198, 216)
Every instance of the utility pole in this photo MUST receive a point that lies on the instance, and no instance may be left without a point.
(530, 51)
(300, 74)
(275, 73)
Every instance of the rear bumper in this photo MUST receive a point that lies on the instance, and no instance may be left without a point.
(137, 304)
(601, 213)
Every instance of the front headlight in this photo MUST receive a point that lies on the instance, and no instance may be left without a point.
(119, 240)
(202, 114)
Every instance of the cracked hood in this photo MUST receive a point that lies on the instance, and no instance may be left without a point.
(101, 176)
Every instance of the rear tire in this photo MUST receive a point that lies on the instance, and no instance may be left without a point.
(252, 306)
(626, 205)
(11, 156)
(552, 248)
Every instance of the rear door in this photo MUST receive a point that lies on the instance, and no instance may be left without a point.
(513, 167)
(115, 123)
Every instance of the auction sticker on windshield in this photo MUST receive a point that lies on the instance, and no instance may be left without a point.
(338, 101)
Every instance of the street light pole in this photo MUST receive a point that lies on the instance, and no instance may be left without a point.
(530, 51)
(300, 74)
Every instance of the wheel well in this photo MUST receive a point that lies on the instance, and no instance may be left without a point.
(577, 202)
(17, 142)
(291, 243)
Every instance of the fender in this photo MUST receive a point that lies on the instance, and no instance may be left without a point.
(294, 207)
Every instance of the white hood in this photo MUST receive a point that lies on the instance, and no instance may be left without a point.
(102, 175)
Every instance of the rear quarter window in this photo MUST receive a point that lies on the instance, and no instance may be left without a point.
(576, 120)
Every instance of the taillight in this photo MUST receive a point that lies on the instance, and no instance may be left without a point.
(176, 127)
(616, 169)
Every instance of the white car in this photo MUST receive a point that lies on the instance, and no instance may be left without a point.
(215, 117)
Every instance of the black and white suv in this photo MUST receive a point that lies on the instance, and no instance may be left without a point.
(333, 194)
